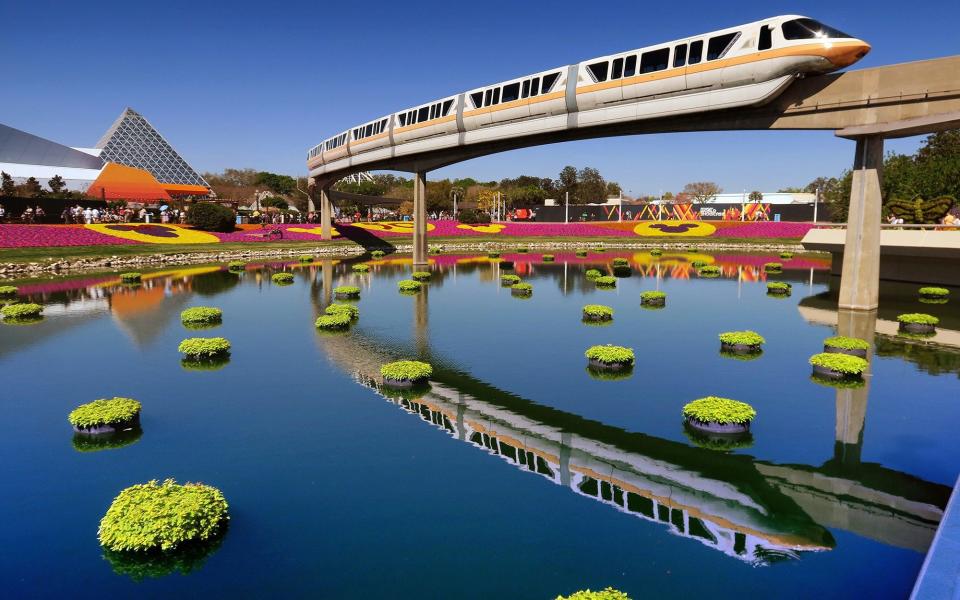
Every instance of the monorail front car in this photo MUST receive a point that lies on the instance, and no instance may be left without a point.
(740, 66)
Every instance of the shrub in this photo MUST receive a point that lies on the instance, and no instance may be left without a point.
(521, 288)
(772, 267)
(778, 286)
(709, 271)
(509, 279)
(742, 338)
(698, 264)
(937, 292)
(377, 254)
(347, 290)
(204, 347)
(841, 363)
(282, 278)
(162, 516)
(407, 370)
(610, 355)
(656, 252)
(409, 285)
(236, 265)
(493, 255)
(786, 255)
(651, 296)
(343, 309)
(333, 321)
(605, 281)
(8, 291)
(106, 411)
(435, 249)
(27, 310)
(918, 319)
(548, 257)
(421, 275)
(306, 258)
(846, 343)
(201, 315)
(581, 253)
(361, 268)
(719, 410)
(593, 273)
(473, 217)
(131, 277)
(598, 310)
(608, 593)
(209, 216)
(621, 262)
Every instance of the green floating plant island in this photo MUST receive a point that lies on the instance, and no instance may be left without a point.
(405, 373)
(605, 281)
(83, 442)
(621, 262)
(306, 258)
(592, 273)
(772, 267)
(521, 289)
(346, 291)
(107, 415)
(653, 298)
(523, 250)
(493, 255)
(333, 322)
(741, 341)
(581, 253)
(719, 415)
(360, 268)
(709, 271)
(377, 254)
(779, 288)
(8, 291)
(131, 277)
(202, 348)
(698, 264)
(509, 279)
(343, 309)
(786, 255)
(597, 312)
(435, 249)
(840, 344)
(656, 252)
(282, 278)
(831, 365)
(421, 275)
(162, 517)
(931, 293)
(548, 258)
(26, 311)
(918, 323)
(608, 593)
(201, 316)
(610, 357)
(409, 285)
(236, 265)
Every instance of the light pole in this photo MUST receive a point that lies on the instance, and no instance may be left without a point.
(566, 209)
(816, 201)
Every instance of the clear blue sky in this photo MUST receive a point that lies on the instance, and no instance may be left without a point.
(255, 84)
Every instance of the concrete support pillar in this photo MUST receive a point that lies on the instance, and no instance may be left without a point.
(311, 190)
(860, 279)
(420, 219)
(421, 321)
(852, 403)
(326, 214)
(327, 274)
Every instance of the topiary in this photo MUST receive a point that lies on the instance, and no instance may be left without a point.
(509, 279)
(592, 273)
(919, 211)
(709, 271)
(282, 278)
(521, 289)
(361, 268)
(547, 258)
(605, 281)
(839, 363)
(204, 347)
(772, 267)
(343, 309)
(597, 312)
(347, 291)
(409, 285)
(201, 315)
(162, 516)
(306, 258)
(131, 277)
(210, 216)
(846, 343)
(742, 338)
(8, 291)
(336, 321)
(27, 310)
(106, 411)
(607, 593)
(421, 275)
(918, 318)
(412, 371)
(713, 409)
(236, 265)
(611, 355)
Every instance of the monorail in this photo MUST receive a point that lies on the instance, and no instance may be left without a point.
(740, 66)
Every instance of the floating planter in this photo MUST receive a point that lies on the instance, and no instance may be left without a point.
(282, 278)
(345, 292)
(846, 345)
(506, 264)
(779, 288)
(605, 281)
(27, 311)
(621, 262)
(360, 268)
(409, 285)
(830, 365)
(493, 255)
(653, 298)
(599, 249)
(917, 323)
(421, 275)
(508, 280)
(935, 295)
(592, 273)
(405, 373)
(786, 255)
(213, 363)
(161, 517)
(131, 277)
(306, 258)
(521, 290)
(236, 265)
(656, 252)
(610, 358)
(201, 348)
(773, 267)
(581, 253)
(597, 312)
(719, 415)
(718, 442)
(620, 271)
(333, 322)
(709, 271)
(8, 291)
(201, 316)
(607, 593)
(109, 441)
(741, 356)
(691, 249)
(697, 264)
(343, 309)
(377, 253)
(107, 415)
(548, 258)
(523, 250)
(436, 250)
(741, 342)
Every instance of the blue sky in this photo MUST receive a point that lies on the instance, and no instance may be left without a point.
(254, 84)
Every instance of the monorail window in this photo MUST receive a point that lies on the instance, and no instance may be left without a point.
(496, 96)
(433, 112)
(766, 39)
(598, 70)
(422, 114)
(383, 124)
(526, 89)
(511, 92)
(487, 95)
(535, 86)
(696, 50)
(548, 81)
(477, 99)
(808, 29)
(655, 60)
(680, 55)
(617, 71)
(369, 130)
(630, 67)
(446, 107)
(719, 45)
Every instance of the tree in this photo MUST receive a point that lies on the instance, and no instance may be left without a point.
(56, 184)
(210, 216)
(667, 197)
(7, 187)
(31, 188)
(755, 196)
(281, 184)
(567, 182)
(701, 192)
(276, 202)
(438, 195)
(613, 189)
(791, 190)
(591, 187)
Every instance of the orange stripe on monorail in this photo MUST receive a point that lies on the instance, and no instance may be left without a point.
(515, 103)
(437, 121)
(369, 139)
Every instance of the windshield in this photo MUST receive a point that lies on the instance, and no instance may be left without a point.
(808, 29)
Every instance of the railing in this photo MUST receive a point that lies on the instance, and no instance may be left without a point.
(922, 226)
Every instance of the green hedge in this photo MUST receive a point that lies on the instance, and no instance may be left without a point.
(8, 291)
(360, 268)
(605, 281)
(745, 338)
(592, 273)
(27, 310)
(939, 292)
(282, 278)
(204, 347)
(918, 319)
(131, 277)
(334, 321)
(772, 267)
(713, 409)
(509, 279)
(610, 354)
(421, 275)
(598, 310)
(106, 411)
(347, 290)
(409, 285)
(846, 343)
(201, 315)
(841, 363)
(407, 370)
(162, 516)
(343, 309)
(608, 593)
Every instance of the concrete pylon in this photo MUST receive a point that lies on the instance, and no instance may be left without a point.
(860, 278)
(326, 214)
(327, 274)
(420, 219)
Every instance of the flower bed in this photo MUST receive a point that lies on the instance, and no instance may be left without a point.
(719, 415)
(597, 312)
(107, 415)
(405, 373)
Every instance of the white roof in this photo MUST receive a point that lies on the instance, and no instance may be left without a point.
(45, 172)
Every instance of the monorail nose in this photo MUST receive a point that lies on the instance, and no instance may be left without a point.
(844, 54)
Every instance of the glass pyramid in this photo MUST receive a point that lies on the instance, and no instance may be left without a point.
(133, 142)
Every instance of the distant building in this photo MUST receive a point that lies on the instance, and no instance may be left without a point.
(132, 161)
(768, 198)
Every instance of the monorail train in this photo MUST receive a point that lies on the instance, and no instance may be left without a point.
(739, 66)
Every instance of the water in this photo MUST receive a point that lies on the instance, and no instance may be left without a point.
(518, 474)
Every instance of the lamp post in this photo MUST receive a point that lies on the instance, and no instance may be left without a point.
(566, 208)
(816, 201)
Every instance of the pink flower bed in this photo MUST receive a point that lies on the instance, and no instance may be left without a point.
(28, 236)
(766, 229)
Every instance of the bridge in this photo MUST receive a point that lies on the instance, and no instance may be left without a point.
(867, 106)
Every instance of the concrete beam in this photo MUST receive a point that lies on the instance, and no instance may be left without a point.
(904, 128)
